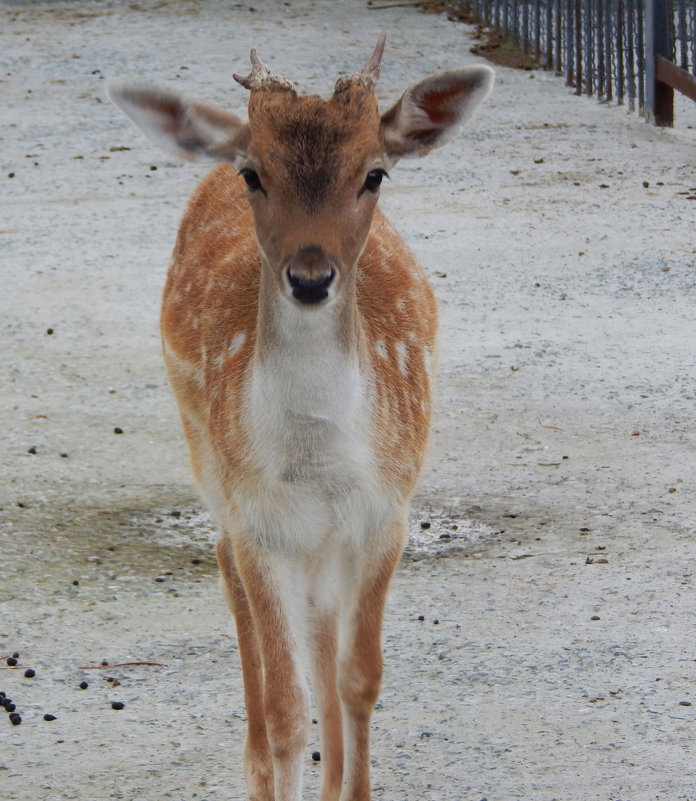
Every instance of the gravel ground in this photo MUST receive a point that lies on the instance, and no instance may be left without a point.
(552, 546)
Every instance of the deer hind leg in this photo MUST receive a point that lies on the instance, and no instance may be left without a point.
(324, 641)
(258, 766)
(360, 668)
(271, 587)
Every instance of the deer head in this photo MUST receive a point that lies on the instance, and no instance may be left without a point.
(312, 166)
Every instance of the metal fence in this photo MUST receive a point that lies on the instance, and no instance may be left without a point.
(607, 48)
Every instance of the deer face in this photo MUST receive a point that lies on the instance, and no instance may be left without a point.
(313, 168)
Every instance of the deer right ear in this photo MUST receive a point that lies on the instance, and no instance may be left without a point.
(433, 111)
(185, 128)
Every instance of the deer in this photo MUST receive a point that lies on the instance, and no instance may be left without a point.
(299, 336)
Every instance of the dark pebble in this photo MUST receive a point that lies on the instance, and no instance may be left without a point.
(49, 717)
(2, 694)
(118, 430)
(646, 184)
(11, 661)
(49, 331)
(15, 719)
(32, 450)
(10, 707)
(83, 685)
(117, 704)
(29, 673)
(425, 525)
(316, 756)
(421, 617)
(436, 622)
(76, 583)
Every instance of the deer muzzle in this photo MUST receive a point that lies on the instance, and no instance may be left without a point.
(310, 273)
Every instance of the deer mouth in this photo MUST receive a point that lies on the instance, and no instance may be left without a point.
(310, 274)
(310, 290)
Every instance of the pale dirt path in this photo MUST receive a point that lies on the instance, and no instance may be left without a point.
(567, 298)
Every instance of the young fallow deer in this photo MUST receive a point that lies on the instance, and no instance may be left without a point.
(299, 337)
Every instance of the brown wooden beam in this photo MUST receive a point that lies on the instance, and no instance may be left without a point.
(675, 76)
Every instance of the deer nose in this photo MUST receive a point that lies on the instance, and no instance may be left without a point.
(310, 273)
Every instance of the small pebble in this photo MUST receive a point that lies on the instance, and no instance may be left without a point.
(29, 673)
(117, 704)
(9, 707)
(11, 661)
(316, 756)
(118, 430)
(15, 719)
(49, 717)
(83, 685)
(421, 617)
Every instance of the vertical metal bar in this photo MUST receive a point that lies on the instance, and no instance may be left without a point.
(606, 43)
(630, 56)
(640, 50)
(599, 43)
(559, 37)
(578, 47)
(693, 38)
(571, 75)
(588, 47)
(659, 96)
(525, 27)
(620, 71)
(682, 35)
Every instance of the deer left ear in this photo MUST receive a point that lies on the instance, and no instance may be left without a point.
(184, 128)
(434, 111)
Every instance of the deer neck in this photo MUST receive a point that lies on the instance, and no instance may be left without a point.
(309, 358)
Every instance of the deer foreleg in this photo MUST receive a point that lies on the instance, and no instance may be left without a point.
(258, 767)
(285, 695)
(325, 644)
(360, 674)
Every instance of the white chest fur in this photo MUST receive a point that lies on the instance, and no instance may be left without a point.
(308, 411)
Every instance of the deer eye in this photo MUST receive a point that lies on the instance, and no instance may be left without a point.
(251, 177)
(374, 179)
